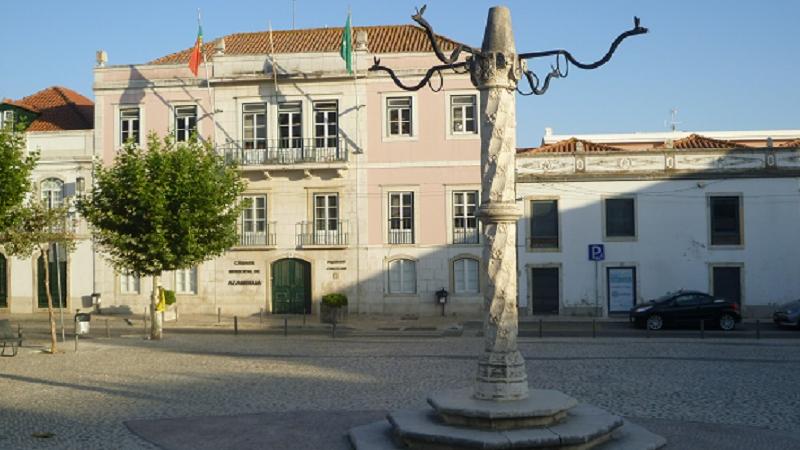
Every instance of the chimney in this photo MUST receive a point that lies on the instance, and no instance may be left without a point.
(669, 143)
(769, 142)
(362, 41)
(219, 48)
(101, 58)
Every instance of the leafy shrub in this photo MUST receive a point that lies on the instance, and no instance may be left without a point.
(169, 297)
(336, 300)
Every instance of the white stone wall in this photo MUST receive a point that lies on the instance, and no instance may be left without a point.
(671, 250)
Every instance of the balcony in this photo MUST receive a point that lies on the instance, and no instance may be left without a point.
(285, 152)
(259, 238)
(464, 236)
(334, 237)
(401, 237)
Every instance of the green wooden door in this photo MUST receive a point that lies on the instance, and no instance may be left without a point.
(291, 287)
(55, 271)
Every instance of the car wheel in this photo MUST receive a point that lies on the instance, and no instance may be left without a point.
(727, 322)
(654, 322)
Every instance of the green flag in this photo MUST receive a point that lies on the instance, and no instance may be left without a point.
(346, 50)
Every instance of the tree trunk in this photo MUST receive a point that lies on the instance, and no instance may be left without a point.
(155, 317)
(50, 313)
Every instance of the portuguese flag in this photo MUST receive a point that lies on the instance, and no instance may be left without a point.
(194, 59)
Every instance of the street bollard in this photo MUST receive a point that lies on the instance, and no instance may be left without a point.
(261, 316)
(219, 315)
(758, 329)
(108, 330)
(304, 317)
(540, 327)
(702, 329)
(646, 331)
(145, 321)
(236, 325)
(333, 330)
(285, 326)
(176, 313)
(594, 328)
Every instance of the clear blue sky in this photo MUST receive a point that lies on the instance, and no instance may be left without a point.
(725, 65)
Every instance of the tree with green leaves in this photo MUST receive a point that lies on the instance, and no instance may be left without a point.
(169, 207)
(15, 174)
(37, 228)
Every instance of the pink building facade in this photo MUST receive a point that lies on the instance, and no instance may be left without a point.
(356, 186)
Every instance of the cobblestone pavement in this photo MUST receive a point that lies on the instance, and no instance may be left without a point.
(83, 399)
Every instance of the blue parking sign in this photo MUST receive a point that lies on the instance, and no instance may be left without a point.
(597, 252)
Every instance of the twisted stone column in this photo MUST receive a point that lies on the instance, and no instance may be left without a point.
(501, 367)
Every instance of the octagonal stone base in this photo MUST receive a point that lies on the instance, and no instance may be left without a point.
(541, 408)
(546, 420)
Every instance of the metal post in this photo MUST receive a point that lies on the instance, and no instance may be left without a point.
(145, 320)
(333, 330)
(758, 329)
(540, 327)
(176, 313)
(219, 315)
(76, 332)
(304, 317)
(285, 326)
(594, 328)
(236, 325)
(58, 285)
(702, 329)
(261, 316)
(108, 330)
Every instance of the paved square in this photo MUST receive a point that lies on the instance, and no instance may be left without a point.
(716, 393)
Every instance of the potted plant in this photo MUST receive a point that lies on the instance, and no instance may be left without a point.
(333, 308)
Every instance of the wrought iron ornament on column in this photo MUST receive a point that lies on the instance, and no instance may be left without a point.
(470, 64)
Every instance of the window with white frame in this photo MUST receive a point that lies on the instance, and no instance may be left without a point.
(401, 217)
(465, 276)
(326, 124)
(185, 122)
(326, 212)
(465, 223)
(254, 126)
(186, 281)
(129, 125)
(129, 283)
(398, 116)
(6, 119)
(52, 193)
(290, 125)
(254, 220)
(462, 114)
(402, 276)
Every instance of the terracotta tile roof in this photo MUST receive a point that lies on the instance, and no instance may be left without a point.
(696, 141)
(568, 146)
(794, 143)
(381, 39)
(18, 104)
(59, 108)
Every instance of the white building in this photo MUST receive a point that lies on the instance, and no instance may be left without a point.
(58, 125)
(671, 210)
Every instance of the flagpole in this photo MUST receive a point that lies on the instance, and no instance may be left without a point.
(272, 61)
(355, 84)
(211, 99)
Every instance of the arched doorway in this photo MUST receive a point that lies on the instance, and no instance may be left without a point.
(291, 286)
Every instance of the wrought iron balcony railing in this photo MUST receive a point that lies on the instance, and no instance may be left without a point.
(311, 234)
(260, 152)
(260, 238)
(401, 236)
(466, 236)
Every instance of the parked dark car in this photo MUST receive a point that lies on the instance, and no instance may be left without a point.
(686, 307)
(788, 314)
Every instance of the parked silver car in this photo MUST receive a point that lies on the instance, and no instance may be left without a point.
(788, 314)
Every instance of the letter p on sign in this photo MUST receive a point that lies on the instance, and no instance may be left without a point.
(597, 252)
